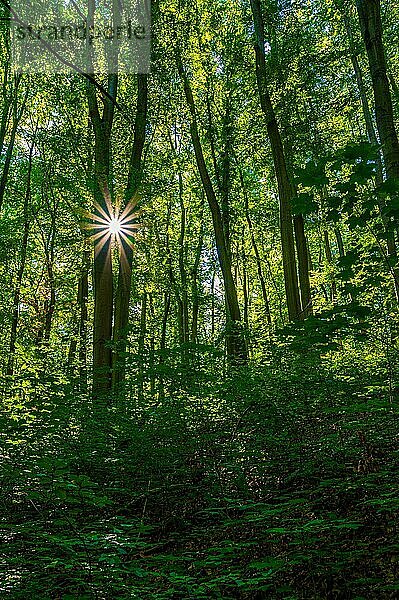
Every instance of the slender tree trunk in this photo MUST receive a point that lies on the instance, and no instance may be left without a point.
(245, 282)
(194, 280)
(327, 248)
(227, 134)
(79, 339)
(49, 252)
(172, 279)
(303, 265)
(394, 86)
(141, 345)
(236, 342)
(181, 290)
(372, 138)
(182, 268)
(368, 119)
(50, 303)
(152, 348)
(16, 301)
(83, 319)
(103, 278)
(162, 345)
(302, 251)
(123, 292)
(16, 118)
(369, 12)
(340, 243)
(7, 101)
(256, 252)
(213, 304)
(285, 188)
(20, 274)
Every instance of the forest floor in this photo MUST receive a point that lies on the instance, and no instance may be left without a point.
(278, 481)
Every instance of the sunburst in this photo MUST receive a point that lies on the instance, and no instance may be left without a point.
(107, 225)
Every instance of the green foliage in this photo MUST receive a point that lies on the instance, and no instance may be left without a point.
(195, 479)
(275, 480)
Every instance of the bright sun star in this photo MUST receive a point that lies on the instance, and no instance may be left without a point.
(107, 224)
(114, 226)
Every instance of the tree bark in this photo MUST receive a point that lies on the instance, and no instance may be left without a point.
(162, 344)
(369, 12)
(372, 138)
(141, 346)
(20, 274)
(256, 252)
(83, 294)
(16, 118)
(329, 259)
(103, 279)
(194, 281)
(303, 265)
(340, 243)
(236, 346)
(285, 188)
(123, 292)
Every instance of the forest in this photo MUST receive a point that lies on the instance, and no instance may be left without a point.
(199, 370)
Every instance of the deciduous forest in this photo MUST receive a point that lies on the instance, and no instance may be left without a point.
(200, 310)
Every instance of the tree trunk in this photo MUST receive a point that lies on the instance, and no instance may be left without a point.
(285, 188)
(20, 274)
(16, 116)
(226, 173)
(172, 279)
(162, 345)
(122, 301)
(141, 346)
(256, 252)
(79, 338)
(103, 279)
(235, 339)
(194, 280)
(6, 107)
(327, 248)
(213, 316)
(303, 265)
(340, 243)
(245, 282)
(372, 138)
(182, 268)
(83, 319)
(394, 87)
(371, 28)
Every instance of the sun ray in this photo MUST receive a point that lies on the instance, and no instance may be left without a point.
(100, 209)
(99, 235)
(101, 218)
(130, 208)
(115, 226)
(99, 245)
(90, 226)
(126, 239)
(132, 226)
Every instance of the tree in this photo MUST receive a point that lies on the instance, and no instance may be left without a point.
(296, 309)
(369, 12)
(235, 341)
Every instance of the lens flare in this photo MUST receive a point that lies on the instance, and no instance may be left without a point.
(108, 225)
(115, 226)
